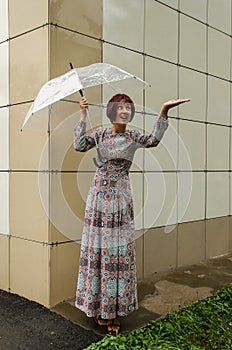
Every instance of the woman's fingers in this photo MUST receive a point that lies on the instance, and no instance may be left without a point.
(83, 103)
(174, 103)
(183, 100)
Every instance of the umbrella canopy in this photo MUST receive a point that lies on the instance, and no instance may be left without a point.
(76, 80)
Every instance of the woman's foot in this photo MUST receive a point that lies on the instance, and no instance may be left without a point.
(100, 321)
(113, 325)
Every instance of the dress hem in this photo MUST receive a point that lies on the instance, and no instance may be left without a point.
(97, 314)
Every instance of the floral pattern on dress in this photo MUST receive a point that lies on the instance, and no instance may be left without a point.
(107, 284)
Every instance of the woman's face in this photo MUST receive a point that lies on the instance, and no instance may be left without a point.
(123, 113)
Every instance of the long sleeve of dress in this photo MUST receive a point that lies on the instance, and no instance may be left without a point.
(82, 142)
(155, 137)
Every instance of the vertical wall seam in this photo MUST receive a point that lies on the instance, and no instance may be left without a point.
(230, 110)
(143, 151)
(9, 267)
(9, 152)
(178, 133)
(49, 162)
(206, 126)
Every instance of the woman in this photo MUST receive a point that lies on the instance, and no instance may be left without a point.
(107, 286)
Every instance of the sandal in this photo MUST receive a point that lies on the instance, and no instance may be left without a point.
(100, 321)
(113, 326)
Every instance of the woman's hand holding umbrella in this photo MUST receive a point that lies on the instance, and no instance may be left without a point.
(83, 106)
(172, 103)
(85, 113)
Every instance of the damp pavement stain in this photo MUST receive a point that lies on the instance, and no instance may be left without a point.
(171, 296)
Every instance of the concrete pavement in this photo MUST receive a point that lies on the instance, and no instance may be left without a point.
(163, 292)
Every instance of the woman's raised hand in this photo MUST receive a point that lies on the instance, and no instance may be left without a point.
(83, 105)
(172, 103)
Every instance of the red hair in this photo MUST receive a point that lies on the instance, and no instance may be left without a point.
(113, 104)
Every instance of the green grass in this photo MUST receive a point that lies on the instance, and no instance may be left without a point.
(204, 325)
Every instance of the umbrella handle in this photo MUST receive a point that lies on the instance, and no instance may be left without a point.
(80, 91)
(88, 116)
(87, 112)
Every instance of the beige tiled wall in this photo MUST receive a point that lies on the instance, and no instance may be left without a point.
(67, 205)
(80, 16)
(196, 9)
(28, 218)
(161, 40)
(122, 25)
(63, 272)
(217, 201)
(29, 269)
(28, 66)
(217, 236)
(72, 47)
(192, 52)
(218, 90)
(193, 84)
(46, 204)
(4, 202)
(188, 131)
(180, 183)
(160, 250)
(191, 243)
(75, 40)
(28, 249)
(163, 78)
(187, 176)
(222, 22)
(219, 51)
(4, 262)
(191, 196)
(4, 138)
(130, 61)
(26, 15)
(230, 233)
(30, 142)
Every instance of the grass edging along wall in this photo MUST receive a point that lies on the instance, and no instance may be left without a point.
(204, 325)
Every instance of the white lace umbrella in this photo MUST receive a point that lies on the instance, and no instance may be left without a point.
(73, 81)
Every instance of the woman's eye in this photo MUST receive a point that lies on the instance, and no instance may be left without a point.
(128, 108)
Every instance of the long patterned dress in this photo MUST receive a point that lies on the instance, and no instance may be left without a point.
(107, 285)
